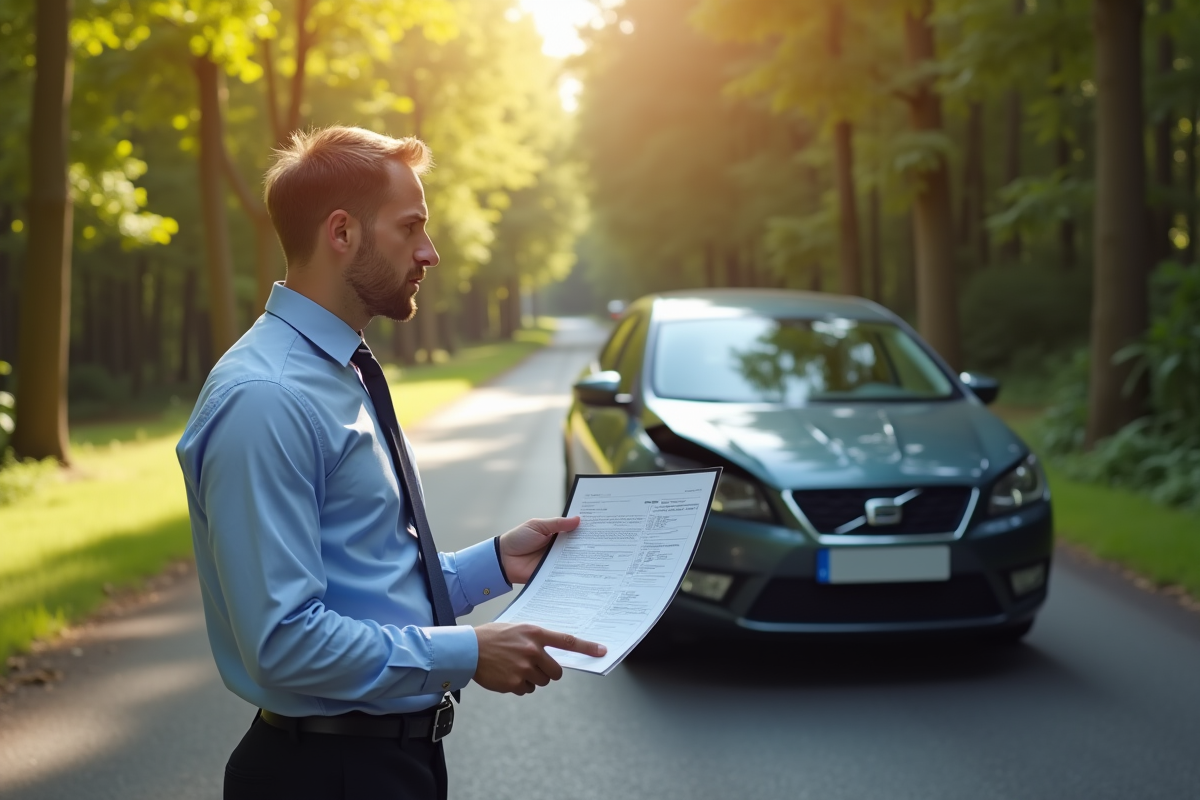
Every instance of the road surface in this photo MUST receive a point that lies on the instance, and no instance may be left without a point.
(1103, 700)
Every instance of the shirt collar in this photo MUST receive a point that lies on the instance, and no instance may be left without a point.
(315, 322)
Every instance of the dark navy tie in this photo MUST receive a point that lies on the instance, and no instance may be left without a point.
(381, 398)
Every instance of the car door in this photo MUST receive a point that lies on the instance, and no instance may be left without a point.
(597, 430)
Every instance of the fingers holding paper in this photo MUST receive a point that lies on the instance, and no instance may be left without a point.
(513, 657)
(521, 549)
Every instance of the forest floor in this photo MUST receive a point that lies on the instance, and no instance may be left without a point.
(119, 515)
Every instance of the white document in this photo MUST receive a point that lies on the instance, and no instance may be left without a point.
(611, 579)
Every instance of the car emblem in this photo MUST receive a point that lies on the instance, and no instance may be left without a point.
(883, 511)
(880, 512)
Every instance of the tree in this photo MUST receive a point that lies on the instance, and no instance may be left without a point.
(933, 219)
(835, 90)
(1119, 304)
(45, 299)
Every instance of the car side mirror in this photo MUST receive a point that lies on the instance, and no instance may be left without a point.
(985, 388)
(601, 389)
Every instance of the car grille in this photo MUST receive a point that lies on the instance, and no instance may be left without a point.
(805, 600)
(938, 509)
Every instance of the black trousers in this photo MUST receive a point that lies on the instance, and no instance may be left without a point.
(273, 764)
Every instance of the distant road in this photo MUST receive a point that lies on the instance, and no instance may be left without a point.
(1103, 700)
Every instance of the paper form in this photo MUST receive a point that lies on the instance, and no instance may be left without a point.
(612, 578)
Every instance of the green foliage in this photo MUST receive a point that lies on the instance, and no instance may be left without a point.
(1158, 454)
(22, 477)
(1023, 312)
(1125, 526)
(1034, 204)
(1169, 356)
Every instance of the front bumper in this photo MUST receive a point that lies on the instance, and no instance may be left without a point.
(775, 590)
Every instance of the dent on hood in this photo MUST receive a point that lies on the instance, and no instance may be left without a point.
(839, 445)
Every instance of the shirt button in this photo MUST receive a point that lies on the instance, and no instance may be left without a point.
(446, 685)
(487, 591)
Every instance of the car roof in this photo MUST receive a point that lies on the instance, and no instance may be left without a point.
(716, 303)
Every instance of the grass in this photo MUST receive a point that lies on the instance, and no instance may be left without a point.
(120, 515)
(1162, 544)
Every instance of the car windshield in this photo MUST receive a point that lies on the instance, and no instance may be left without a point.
(792, 361)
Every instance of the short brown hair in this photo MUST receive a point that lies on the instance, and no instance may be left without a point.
(320, 171)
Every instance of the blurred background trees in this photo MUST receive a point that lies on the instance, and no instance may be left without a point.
(1017, 178)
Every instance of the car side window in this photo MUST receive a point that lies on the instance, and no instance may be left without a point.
(612, 351)
(630, 362)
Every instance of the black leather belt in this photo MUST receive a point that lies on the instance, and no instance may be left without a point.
(433, 724)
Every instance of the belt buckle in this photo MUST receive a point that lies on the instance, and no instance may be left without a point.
(443, 720)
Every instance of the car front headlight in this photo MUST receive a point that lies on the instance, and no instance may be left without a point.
(1020, 486)
(739, 497)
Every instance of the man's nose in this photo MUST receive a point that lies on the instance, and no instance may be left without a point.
(427, 254)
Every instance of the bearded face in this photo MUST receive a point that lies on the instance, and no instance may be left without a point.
(383, 289)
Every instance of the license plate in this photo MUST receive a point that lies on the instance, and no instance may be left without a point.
(883, 564)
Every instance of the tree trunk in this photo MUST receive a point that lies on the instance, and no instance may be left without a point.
(875, 251)
(1119, 302)
(1062, 160)
(154, 334)
(8, 298)
(221, 307)
(404, 342)
(1161, 247)
(1193, 199)
(426, 318)
(514, 301)
(46, 289)
(1066, 227)
(1011, 249)
(137, 326)
(187, 326)
(849, 253)
(937, 292)
(905, 296)
(733, 269)
(972, 232)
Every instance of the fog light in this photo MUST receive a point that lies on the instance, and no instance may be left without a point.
(1027, 579)
(709, 585)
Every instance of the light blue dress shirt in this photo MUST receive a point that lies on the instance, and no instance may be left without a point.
(313, 592)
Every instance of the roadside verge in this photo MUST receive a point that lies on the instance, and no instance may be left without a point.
(119, 515)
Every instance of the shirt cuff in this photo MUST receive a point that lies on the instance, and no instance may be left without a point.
(455, 658)
(480, 577)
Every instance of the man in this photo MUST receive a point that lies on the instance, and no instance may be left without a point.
(326, 603)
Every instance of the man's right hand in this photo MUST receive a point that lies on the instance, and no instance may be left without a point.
(513, 658)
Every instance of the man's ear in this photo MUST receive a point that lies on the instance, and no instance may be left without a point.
(341, 232)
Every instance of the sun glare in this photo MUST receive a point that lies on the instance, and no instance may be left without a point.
(559, 21)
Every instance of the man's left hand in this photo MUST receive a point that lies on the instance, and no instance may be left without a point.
(521, 548)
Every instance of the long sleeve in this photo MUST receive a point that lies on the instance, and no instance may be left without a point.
(257, 467)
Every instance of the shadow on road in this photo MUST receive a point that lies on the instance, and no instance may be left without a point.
(816, 663)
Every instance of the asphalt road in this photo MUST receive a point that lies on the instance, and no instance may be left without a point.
(1102, 701)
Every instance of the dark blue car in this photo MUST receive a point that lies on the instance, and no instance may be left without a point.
(866, 488)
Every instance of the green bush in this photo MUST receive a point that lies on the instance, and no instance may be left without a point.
(1016, 315)
(1158, 454)
(19, 478)
(92, 390)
